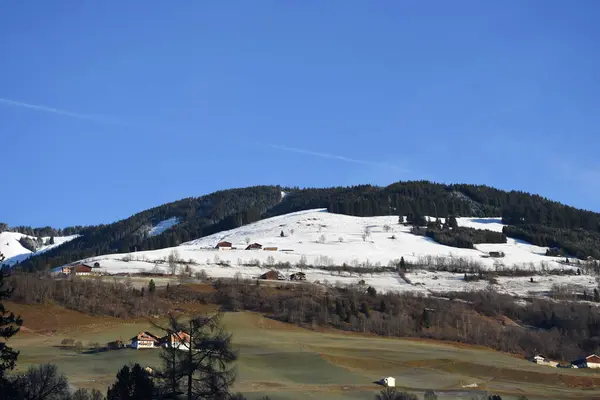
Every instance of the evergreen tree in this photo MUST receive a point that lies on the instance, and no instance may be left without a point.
(132, 384)
(596, 295)
(451, 222)
(282, 234)
(402, 264)
(151, 286)
(51, 240)
(9, 326)
(401, 219)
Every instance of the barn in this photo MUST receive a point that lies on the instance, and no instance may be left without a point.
(254, 246)
(271, 275)
(223, 246)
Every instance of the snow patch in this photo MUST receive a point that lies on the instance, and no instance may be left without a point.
(163, 226)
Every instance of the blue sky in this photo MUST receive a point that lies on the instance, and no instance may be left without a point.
(108, 108)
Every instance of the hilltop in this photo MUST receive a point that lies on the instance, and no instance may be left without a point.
(531, 218)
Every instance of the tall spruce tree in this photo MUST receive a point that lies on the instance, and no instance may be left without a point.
(9, 326)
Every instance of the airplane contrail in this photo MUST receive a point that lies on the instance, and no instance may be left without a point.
(37, 107)
(337, 157)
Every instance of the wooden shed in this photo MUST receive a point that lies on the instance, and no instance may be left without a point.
(270, 248)
(270, 275)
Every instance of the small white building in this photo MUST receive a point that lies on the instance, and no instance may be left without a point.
(541, 360)
(389, 382)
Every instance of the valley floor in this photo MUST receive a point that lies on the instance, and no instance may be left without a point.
(288, 362)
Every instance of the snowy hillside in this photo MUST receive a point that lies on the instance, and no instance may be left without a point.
(321, 239)
(15, 252)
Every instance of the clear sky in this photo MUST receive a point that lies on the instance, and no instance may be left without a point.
(108, 108)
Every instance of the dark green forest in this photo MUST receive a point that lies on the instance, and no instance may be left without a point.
(532, 218)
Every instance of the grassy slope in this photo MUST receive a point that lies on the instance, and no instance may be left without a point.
(287, 362)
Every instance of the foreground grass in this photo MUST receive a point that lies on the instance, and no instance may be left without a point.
(287, 362)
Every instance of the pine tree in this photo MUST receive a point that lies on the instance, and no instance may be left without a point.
(131, 384)
(151, 286)
(282, 234)
(596, 295)
(451, 222)
(9, 326)
(402, 264)
(51, 240)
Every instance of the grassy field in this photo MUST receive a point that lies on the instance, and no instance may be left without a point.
(287, 362)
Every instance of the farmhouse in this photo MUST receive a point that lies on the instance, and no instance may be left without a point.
(541, 360)
(177, 340)
(223, 246)
(254, 246)
(591, 361)
(144, 340)
(298, 276)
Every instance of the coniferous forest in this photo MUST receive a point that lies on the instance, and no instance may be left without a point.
(533, 218)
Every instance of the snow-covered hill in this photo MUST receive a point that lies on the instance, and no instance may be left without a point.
(321, 239)
(15, 252)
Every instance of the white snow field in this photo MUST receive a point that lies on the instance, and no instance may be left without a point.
(321, 239)
(163, 226)
(14, 252)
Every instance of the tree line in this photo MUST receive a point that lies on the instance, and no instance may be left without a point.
(557, 329)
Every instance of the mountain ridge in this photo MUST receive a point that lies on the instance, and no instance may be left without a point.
(227, 209)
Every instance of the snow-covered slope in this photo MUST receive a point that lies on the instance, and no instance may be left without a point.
(14, 252)
(321, 239)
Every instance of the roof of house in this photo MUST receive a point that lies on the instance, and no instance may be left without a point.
(144, 335)
(82, 268)
(224, 244)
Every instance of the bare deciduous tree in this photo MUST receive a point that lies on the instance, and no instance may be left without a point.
(173, 260)
(322, 239)
(42, 382)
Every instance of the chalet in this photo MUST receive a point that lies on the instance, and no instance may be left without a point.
(270, 248)
(144, 340)
(272, 276)
(223, 246)
(591, 361)
(76, 269)
(298, 276)
(254, 246)
(177, 340)
(541, 360)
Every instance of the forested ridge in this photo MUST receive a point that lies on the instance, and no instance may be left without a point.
(533, 218)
